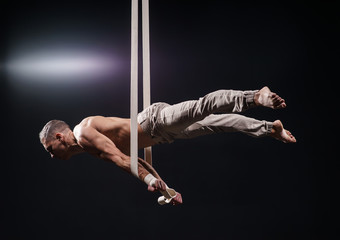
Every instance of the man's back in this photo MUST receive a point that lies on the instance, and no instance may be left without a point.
(116, 129)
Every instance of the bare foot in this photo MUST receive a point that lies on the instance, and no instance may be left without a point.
(266, 98)
(281, 134)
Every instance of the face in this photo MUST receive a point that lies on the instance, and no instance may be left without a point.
(57, 149)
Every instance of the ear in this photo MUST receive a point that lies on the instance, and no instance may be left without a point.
(59, 136)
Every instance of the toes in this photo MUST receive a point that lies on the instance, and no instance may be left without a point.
(291, 136)
(277, 99)
(279, 103)
(270, 99)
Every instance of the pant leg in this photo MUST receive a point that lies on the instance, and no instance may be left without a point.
(226, 123)
(173, 119)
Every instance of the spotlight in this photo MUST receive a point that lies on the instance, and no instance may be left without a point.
(60, 66)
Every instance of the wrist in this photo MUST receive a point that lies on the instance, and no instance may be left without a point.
(150, 179)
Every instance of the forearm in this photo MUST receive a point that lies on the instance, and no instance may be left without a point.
(144, 169)
(149, 168)
(101, 146)
(146, 172)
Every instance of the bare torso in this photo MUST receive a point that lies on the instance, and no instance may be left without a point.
(116, 129)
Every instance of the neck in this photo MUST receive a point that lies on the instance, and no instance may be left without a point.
(73, 146)
(75, 149)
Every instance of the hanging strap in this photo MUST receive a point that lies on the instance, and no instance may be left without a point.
(146, 67)
(134, 89)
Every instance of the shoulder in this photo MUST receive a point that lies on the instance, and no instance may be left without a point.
(91, 121)
(86, 126)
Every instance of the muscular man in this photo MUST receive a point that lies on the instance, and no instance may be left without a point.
(109, 137)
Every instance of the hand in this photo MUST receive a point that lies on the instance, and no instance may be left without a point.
(158, 185)
(177, 200)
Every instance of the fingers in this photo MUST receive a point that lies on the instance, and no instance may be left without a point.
(177, 200)
(159, 185)
(151, 189)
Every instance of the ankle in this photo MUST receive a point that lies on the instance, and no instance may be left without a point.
(256, 98)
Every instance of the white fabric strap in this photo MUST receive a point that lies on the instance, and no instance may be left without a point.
(134, 89)
(150, 180)
(134, 79)
(168, 195)
(146, 67)
(146, 53)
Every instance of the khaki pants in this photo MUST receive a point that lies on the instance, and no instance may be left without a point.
(213, 113)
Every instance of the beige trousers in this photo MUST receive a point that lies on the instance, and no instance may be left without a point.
(213, 113)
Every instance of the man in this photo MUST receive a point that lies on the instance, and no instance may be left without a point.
(109, 137)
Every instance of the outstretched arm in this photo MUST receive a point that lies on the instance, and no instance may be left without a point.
(101, 146)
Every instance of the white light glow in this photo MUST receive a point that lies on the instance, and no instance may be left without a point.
(60, 66)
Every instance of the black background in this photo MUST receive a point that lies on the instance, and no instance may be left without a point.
(233, 186)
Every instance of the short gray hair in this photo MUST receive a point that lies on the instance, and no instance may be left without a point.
(50, 129)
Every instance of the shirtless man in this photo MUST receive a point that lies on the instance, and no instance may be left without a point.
(109, 137)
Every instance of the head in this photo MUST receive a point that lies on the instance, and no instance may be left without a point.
(57, 138)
